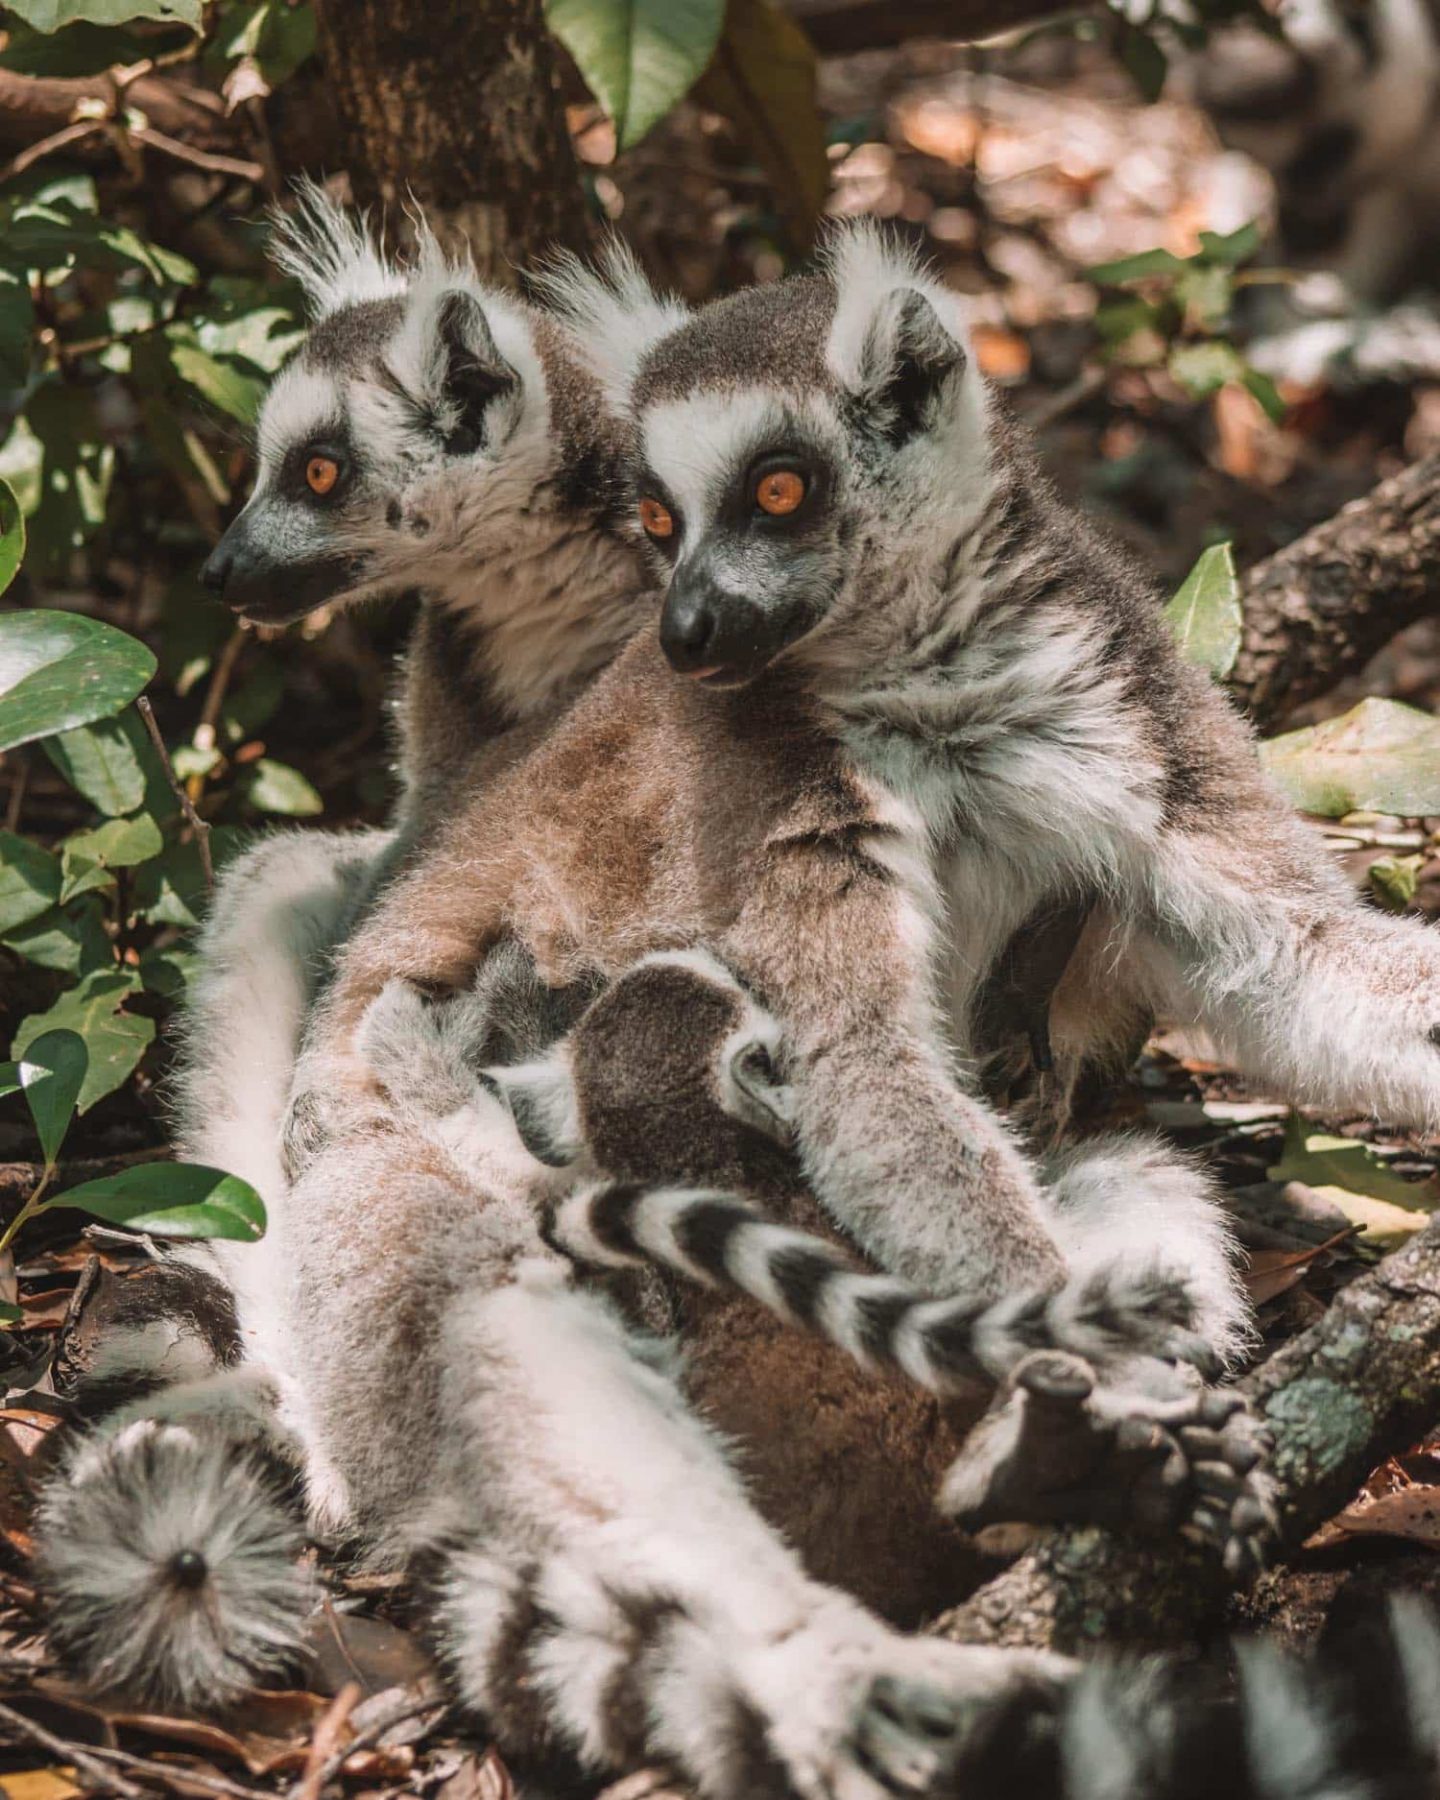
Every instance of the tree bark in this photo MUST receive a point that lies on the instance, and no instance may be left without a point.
(1320, 609)
(1362, 1384)
(461, 116)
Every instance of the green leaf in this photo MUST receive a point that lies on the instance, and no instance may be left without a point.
(87, 857)
(1202, 369)
(1395, 879)
(12, 535)
(104, 762)
(53, 1066)
(1266, 392)
(1144, 59)
(29, 880)
(220, 383)
(50, 15)
(59, 669)
(170, 889)
(9, 1078)
(277, 788)
(1358, 1181)
(169, 971)
(638, 57)
(10, 1314)
(80, 49)
(1135, 268)
(1205, 615)
(69, 938)
(172, 1200)
(1380, 756)
(762, 78)
(75, 467)
(1230, 248)
(116, 1040)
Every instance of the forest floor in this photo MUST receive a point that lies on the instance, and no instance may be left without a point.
(1022, 170)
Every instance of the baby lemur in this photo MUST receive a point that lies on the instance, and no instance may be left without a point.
(844, 1465)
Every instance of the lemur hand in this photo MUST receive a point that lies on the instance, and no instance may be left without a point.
(1147, 1446)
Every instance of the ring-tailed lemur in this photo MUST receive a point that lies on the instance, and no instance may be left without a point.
(461, 448)
(1343, 109)
(719, 1120)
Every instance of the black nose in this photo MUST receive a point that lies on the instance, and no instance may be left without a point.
(215, 572)
(688, 628)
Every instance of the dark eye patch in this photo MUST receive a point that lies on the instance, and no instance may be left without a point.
(333, 441)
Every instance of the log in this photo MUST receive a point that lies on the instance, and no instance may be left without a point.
(1319, 609)
(1361, 1384)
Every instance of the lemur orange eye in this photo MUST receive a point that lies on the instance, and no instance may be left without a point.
(658, 520)
(321, 474)
(779, 492)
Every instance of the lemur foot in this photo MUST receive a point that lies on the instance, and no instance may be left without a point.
(1147, 1447)
(884, 1714)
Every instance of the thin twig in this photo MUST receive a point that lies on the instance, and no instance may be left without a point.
(58, 140)
(198, 825)
(207, 160)
(219, 683)
(369, 1737)
(324, 1742)
(179, 1774)
(68, 1753)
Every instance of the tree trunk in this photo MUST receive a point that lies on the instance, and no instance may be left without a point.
(1362, 1384)
(462, 116)
(1320, 609)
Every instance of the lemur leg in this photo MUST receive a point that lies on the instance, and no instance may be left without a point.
(1336, 1004)
(625, 1598)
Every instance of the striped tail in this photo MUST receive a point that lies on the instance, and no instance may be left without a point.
(944, 1345)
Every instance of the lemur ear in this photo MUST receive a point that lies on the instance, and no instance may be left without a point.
(906, 358)
(467, 370)
(540, 1097)
(752, 1086)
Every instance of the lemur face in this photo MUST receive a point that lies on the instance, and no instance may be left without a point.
(405, 430)
(784, 436)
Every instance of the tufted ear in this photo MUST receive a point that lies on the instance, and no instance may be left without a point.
(462, 371)
(610, 313)
(906, 357)
(330, 252)
(540, 1097)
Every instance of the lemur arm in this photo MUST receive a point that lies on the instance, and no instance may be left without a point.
(918, 1171)
(1305, 987)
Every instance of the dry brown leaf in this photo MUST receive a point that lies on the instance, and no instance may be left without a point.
(39, 1784)
(1412, 1513)
(349, 1647)
(1271, 1273)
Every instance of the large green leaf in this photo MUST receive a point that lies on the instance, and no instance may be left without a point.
(638, 57)
(170, 889)
(52, 1072)
(50, 15)
(1205, 614)
(116, 1040)
(29, 880)
(1380, 756)
(217, 380)
(762, 78)
(105, 762)
(12, 535)
(1350, 1174)
(9, 1078)
(172, 1200)
(59, 669)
